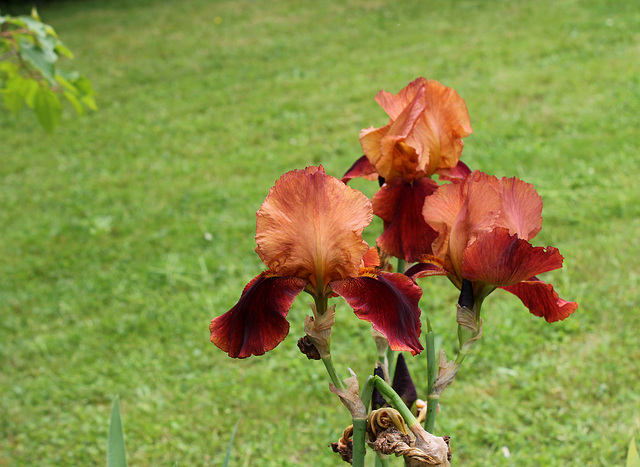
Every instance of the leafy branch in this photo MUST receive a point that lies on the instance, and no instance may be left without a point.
(29, 74)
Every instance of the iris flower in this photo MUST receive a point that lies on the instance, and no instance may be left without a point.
(484, 226)
(423, 138)
(309, 235)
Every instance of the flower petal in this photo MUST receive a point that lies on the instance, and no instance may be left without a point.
(454, 174)
(500, 259)
(257, 324)
(361, 168)
(389, 301)
(459, 212)
(310, 226)
(428, 265)
(406, 234)
(542, 300)
(521, 210)
(394, 104)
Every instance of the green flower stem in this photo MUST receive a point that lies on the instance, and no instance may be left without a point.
(432, 410)
(391, 363)
(382, 461)
(432, 372)
(395, 400)
(333, 374)
(359, 430)
(367, 391)
(401, 265)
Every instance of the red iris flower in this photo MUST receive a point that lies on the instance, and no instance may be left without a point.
(484, 225)
(309, 235)
(423, 138)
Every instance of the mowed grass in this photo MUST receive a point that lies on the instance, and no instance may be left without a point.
(126, 231)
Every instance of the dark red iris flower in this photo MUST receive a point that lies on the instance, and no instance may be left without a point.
(423, 138)
(484, 225)
(309, 235)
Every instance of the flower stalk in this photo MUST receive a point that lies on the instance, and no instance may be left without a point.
(432, 373)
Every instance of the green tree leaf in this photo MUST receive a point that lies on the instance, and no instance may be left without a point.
(48, 108)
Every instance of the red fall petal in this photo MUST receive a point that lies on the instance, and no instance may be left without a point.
(406, 234)
(500, 259)
(428, 265)
(542, 300)
(389, 301)
(257, 324)
(361, 168)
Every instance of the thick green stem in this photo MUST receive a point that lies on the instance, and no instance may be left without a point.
(391, 362)
(367, 391)
(401, 265)
(432, 373)
(359, 431)
(395, 400)
(382, 460)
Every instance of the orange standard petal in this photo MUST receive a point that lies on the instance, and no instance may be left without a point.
(310, 227)
(428, 122)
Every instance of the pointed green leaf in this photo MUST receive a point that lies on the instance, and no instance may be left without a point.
(633, 458)
(41, 61)
(48, 108)
(74, 102)
(116, 454)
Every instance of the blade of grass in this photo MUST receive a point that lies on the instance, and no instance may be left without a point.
(233, 435)
(116, 454)
(633, 459)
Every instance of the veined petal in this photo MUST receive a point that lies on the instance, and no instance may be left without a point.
(370, 139)
(389, 301)
(521, 210)
(406, 234)
(500, 259)
(361, 168)
(394, 104)
(459, 212)
(542, 300)
(428, 265)
(455, 174)
(310, 226)
(447, 117)
(257, 324)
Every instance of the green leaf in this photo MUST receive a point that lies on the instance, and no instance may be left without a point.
(48, 108)
(116, 453)
(74, 102)
(233, 435)
(633, 459)
(39, 59)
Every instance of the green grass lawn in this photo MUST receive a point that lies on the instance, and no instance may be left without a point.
(108, 281)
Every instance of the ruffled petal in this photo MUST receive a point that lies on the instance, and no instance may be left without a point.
(394, 104)
(455, 174)
(389, 301)
(447, 117)
(361, 168)
(459, 212)
(370, 139)
(406, 234)
(542, 300)
(521, 210)
(310, 226)
(500, 259)
(428, 265)
(257, 324)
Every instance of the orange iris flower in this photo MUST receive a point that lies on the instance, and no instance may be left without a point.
(423, 138)
(309, 235)
(484, 226)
